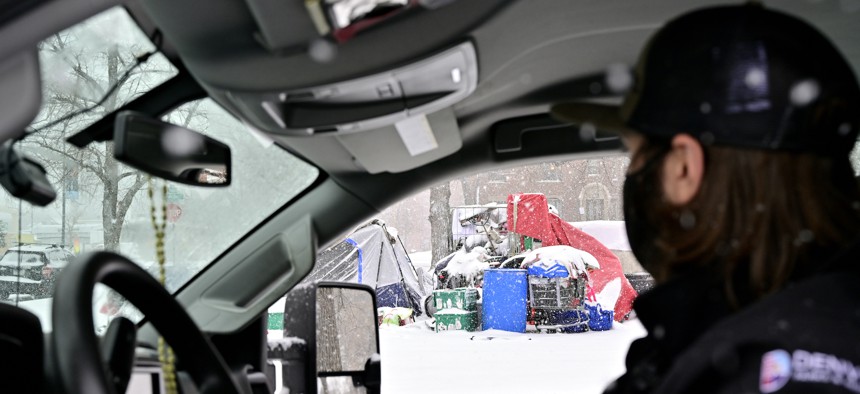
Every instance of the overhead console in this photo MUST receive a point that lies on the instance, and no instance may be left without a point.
(368, 102)
(380, 92)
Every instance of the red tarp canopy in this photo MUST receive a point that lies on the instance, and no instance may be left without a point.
(528, 214)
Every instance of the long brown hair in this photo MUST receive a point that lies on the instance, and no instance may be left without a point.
(763, 216)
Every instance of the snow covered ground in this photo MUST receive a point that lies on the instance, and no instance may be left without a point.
(417, 360)
(421, 259)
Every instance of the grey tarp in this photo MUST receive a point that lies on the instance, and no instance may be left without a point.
(375, 257)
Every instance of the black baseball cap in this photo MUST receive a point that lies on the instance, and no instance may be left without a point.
(743, 76)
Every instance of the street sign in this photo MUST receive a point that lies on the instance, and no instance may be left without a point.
(174, 211)
(174, 195)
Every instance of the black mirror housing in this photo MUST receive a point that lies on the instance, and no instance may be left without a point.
(171, 152)
(24, 178)
(315, 314)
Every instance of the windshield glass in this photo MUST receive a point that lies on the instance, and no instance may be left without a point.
(102, 204)
(84, 63)
(436, 252)
(12, 258)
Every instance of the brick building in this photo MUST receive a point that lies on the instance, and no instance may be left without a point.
(581, 190)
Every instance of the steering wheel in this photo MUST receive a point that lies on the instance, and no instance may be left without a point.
(78, 362)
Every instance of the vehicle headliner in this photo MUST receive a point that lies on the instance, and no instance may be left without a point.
(528, 51)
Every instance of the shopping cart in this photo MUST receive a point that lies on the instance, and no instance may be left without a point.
(481, 225)
(558, 304)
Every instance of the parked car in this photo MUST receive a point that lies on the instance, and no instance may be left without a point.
(36, 266)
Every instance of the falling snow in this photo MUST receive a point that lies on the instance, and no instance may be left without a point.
(804, 92)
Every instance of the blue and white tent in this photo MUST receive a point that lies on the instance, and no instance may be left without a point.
(373, 255)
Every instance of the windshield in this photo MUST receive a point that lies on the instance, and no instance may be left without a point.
(442, 244)
(104, 205)
(432, 257)
(12, 258)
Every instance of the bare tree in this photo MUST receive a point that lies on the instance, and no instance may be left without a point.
(440, 221)
(86, 79)
(328, 343)
(470, 190)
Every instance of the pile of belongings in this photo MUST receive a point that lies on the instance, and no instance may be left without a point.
(559, 261)
(462, 268)
(457, 309)
(481, 225)
(394, 317)
(529, 216)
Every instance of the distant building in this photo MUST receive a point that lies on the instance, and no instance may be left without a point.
(581, 190)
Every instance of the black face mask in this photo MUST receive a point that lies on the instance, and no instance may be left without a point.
(642, 194)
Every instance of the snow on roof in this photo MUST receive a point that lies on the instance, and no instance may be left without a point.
(35, 247)
(610, 233)
(8, 278)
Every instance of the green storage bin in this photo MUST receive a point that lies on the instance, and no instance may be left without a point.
(464, 298)
(457, 321)
(276, 321)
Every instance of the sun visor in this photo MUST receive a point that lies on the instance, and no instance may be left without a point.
(20, 93)
(366, 103)
(407, 144)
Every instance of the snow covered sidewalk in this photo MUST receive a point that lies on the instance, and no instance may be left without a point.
(418, 360)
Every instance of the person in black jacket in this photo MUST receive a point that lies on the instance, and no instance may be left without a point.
(741, 201)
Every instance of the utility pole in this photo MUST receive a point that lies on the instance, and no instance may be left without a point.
(64, 185)
(63, 225)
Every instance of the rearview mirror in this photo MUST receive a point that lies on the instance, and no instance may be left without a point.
(338, 322)
(171, 152)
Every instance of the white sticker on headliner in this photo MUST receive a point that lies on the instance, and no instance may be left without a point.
(417, 135)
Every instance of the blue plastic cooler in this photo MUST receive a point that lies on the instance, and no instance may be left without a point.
(505, 300)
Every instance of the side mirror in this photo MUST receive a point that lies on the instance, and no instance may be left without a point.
(169, 151)
(338, 323)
